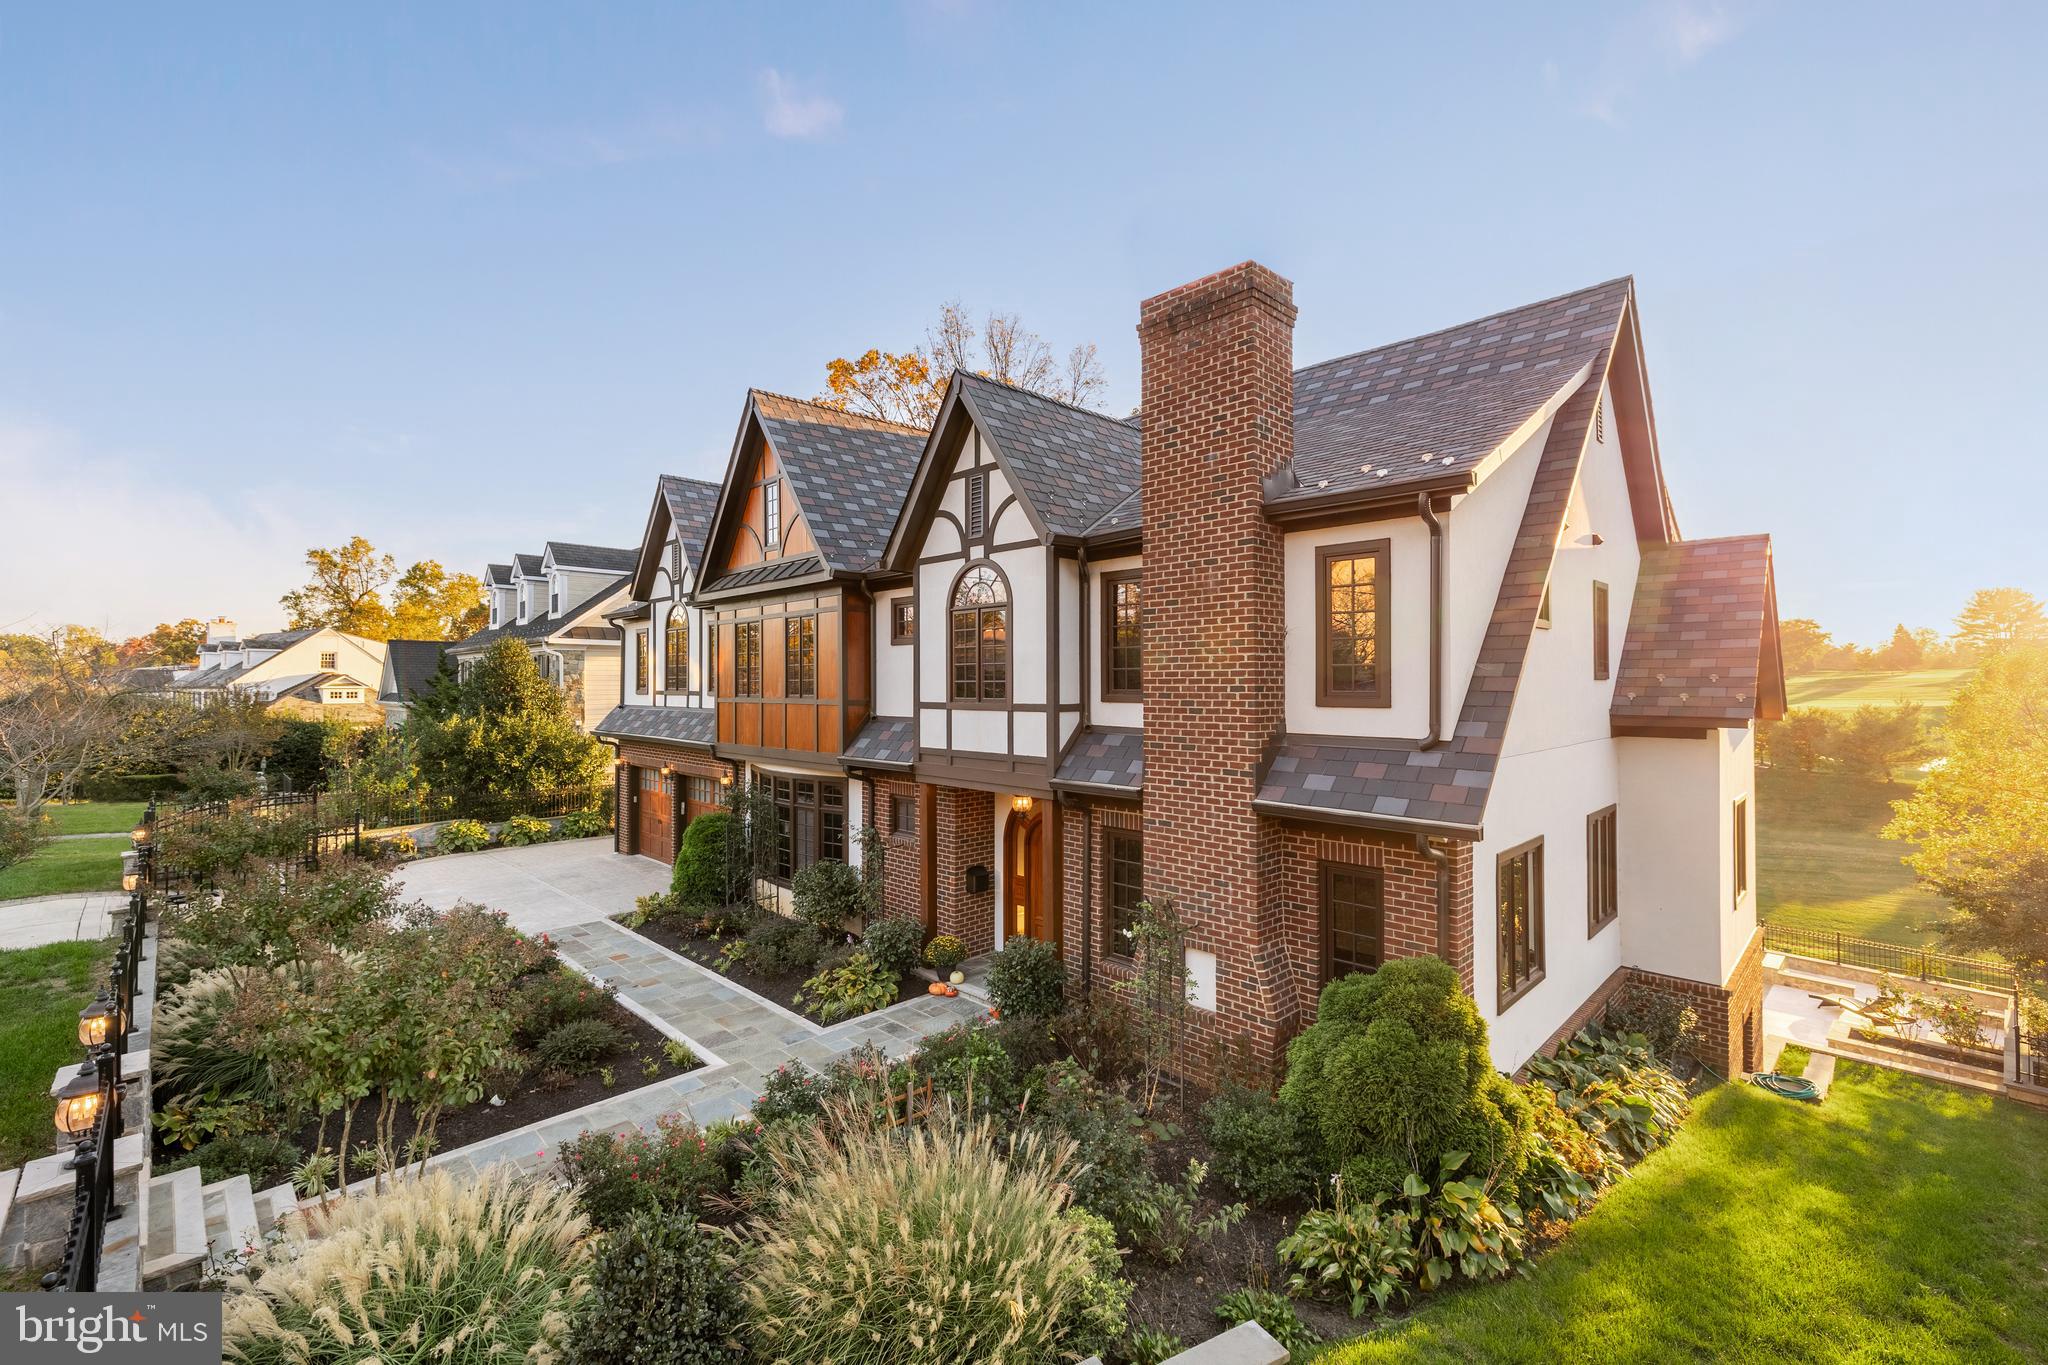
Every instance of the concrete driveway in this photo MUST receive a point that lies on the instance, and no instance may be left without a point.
(57, 919)
(542, 888)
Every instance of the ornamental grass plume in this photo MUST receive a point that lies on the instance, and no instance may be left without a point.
(924, 1243)
(433, 1269)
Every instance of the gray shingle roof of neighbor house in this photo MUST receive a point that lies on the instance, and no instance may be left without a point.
(884, 742)
(1104, 760)
(541, 627)
(602, 558)
(498, 575)
(1076, 466)
(413, 665)
(696, 726)
(850, 474)
(1702, 636)
(690, 505)
(281, 639)
(526, 565)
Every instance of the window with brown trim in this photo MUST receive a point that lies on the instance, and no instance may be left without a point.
(800, 656)
(812, 819)
(1600, 630)
(703, 791)
(711, 660)
(902, 621)
(1518, 919)
(1741, 849)
(746, 652)
(1353, 913)
(1123, 645)
(1351, 641)
(977, 503)
(639, 661)
(981, 636)
(771, 514)
(903, 816)
(675, 669)
(329, 659)
(1124, 884)
(1603, 894)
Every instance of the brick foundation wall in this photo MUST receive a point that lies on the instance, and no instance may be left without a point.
(1218, 397)
(683, 763)
(903, 865)
(965, 831)
(1731, 1015)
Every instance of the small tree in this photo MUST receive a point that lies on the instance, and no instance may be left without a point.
(509, 733)
(63, 707)
(1875, 741)
(1800, 740)
(1158, 992)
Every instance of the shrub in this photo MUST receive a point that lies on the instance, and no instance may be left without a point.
(1097, 1033)
(672, 1170)
(827, 894)
(1274, 1313)
(855, 987)
(585, 824)
(522, 830)
(1395, 1073)
(577, 1045)
(1106, 1296)
(473, 1270)
(941, 1248)
(541, 1004)
(1145, 1344)
(265, 1158)
(1105, 1128)
(731, 920)
(896, 943)
(784, 947)
(195, 1049)
(1261, 1151)
(1613, 1088)
(662, 1292)
(701, 877)
(792, 1091)
(463, 836)
(18, 837)
(1669, 1026)
(969, 1060)
(1027, 980)
(1159, 1219)
(400, 846)
(944, 953)
(1355, 1251)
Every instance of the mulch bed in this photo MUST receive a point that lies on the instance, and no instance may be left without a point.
(528, 1098)
(782, 989)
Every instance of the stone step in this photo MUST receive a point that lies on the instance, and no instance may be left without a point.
(231, 1221)
(276, 1204)
(175, 1239)
(52, 1175)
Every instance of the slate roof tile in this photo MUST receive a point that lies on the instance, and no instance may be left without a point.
(885, 741)
(1076, 466)
(695, 726)
(1105, 758)
(850, 473)
(1696, 633)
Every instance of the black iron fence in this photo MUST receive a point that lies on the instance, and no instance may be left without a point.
(2033, 1040)
(299, 830)
(1924, 964)
(89, 1110)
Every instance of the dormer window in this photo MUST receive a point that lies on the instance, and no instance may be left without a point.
(771, 514)
(981, 636)
(1351, 641)
(555, 598)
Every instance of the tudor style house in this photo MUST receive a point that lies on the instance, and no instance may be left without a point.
(555, 603)
(1401, 652)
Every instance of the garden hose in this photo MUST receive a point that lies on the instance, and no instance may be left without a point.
(1791, 1087)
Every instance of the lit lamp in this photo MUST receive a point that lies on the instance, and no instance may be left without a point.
(98, 1021)
(130, 862)
(78, 1103)
(1020, 804)
(725, 779)
(140, 834)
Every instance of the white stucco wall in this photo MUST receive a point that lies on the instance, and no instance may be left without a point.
(1737, 750)
(1671, 840)
(1127, 714)
(894, 684)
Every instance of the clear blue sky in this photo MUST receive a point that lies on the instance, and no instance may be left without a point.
(465, 278)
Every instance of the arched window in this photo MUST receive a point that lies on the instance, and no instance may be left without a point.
(675, 674)
(981, 636)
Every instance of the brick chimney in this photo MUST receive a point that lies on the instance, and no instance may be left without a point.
(1218, 404)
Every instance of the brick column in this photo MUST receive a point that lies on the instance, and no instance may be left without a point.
(1218, 396)
(966, 833)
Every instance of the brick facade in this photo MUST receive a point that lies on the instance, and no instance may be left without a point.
(635, 755)
(964, 832)
(903, 889)
(1731, 1015)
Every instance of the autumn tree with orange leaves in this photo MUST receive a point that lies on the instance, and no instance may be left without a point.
(908, 386)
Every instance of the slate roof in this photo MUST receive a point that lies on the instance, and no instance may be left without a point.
(1076, 466)
(690, 505)
(772, 571)
(603, 558)
(850, 474)
(1366, 420)
(1698, 633)
(413, 665)
(696, 726)
(1448, 785)
(884, 742)
(1122, 519)
(1104, 759)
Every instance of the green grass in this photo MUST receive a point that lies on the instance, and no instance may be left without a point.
(1931, 687)
(67, 865)
(94, 817)
(1792, 1061)
(1822, 865)
(1900, 1220)
(41, 992)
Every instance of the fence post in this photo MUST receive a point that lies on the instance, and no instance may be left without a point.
(1838, 947)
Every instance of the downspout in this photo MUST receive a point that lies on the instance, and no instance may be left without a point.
(1429, 850)
(1436, 620)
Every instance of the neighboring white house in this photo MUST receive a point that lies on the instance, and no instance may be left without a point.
(321, 667)
(555, 603)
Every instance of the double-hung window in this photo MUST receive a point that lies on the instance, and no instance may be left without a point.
(1603, 900)
(1123, 645)
(747, 659)
(1126, 884)
(675, 673)
(1518, 904)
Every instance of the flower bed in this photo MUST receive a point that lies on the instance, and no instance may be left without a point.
(690, 936)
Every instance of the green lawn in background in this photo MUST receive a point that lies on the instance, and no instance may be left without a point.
(94, 817)
(67, 865)
(41, 992)
(1820, 863)
(1842, 691)
(1899, 1220)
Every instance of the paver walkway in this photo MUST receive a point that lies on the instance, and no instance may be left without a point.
(37, 920)
(569, 891)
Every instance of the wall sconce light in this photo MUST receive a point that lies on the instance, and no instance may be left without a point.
(1021, 804)
(664, 770)
(725, 779)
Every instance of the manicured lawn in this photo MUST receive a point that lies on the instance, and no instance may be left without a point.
(94, 817)
(1821, 864)
(1931, 687)
(67, 865)
(41, 992)
(1898, 1221)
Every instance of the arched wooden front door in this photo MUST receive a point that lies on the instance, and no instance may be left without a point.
(1023, 873)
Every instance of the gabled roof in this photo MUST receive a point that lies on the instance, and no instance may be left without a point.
(281, 639)
(526, 566)
(412, 665)
(596, 558)
(695, 726)
(684, 507)
(1702, 648)
(849, 473)
(551, 624)
(497, 575)
(1075, 465)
